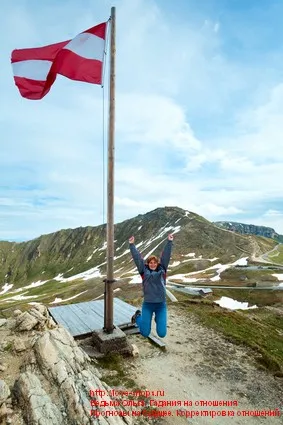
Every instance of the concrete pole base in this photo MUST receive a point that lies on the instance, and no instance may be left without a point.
(115, 342)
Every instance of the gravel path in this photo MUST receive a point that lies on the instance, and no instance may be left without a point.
(200, 366)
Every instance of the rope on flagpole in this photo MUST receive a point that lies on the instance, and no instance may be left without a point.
(103, 124)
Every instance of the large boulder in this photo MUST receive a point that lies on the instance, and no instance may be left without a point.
(61, 361)
(53, 379)
(36, 318)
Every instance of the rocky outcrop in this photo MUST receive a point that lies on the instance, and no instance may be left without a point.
(37, 318)
(5, 402)
(53, 377)
(250, 229)
(36, 404)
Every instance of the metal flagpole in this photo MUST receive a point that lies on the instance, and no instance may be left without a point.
(108, 294)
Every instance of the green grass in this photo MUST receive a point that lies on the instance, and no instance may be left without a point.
(192, 266)
(259, 329)
(273, 257)
(253, 296)
(8, 347)
(53, 289)
(115, 362)
(262, 275)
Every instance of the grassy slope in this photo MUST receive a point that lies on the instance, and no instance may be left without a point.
(260, 329)
(67, 251)
(258, 297)
(277, 256)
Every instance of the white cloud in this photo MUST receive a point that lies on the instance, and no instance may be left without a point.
(273, 213)
(155, 120)
(195, 127)
(218, 210)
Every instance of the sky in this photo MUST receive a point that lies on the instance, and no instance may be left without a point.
(199, 115)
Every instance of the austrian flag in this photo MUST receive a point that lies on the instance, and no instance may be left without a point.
(79, 59)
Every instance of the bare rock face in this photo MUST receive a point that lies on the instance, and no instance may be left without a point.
(37, 406)
(36, 318)
(56, 379)
(19, 345)
(25, 322)
(61, 361)
(3, 322)
(4, 392)
(4, 397)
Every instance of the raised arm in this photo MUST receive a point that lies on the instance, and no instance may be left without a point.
(166, 253)
(139, 261)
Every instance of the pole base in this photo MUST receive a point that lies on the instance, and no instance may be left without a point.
(114, 342)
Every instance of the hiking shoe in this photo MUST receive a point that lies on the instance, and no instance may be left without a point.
(134, 317)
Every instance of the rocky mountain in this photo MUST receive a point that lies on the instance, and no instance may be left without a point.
(72, 262)
(72, 251)
(250, 229)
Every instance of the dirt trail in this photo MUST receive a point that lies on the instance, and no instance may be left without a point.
(265, 258)
(199, 364)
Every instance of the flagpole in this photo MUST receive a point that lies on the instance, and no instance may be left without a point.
(108, 294)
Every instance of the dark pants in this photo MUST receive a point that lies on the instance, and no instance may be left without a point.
(144, 321)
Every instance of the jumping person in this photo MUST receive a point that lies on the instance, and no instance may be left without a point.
(153, 273)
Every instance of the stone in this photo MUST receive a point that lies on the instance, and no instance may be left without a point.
(37, 405)
(50, 324)
(37, 314)
(25, 322)
(41, 308)
(19, 345)
(4, 392)
(62, 362)
(135, 350)
(55, 375)
(17, 313)
(9, 401)
(3, 322)
(11, 324)
(3, 412)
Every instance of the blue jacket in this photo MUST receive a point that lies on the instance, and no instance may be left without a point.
(153, 281)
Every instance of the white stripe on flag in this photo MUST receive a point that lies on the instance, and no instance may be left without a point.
(87, 45)
(32, 69)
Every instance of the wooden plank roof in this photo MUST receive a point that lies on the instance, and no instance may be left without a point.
(83, 318)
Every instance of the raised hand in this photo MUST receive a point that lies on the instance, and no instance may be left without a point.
(170, 237)
(132, 239)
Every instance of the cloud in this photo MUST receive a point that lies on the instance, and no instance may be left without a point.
(273, 213)
(195, 126)
(155, 120)
(216, 210)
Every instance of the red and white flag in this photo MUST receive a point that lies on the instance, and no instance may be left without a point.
(79, 59)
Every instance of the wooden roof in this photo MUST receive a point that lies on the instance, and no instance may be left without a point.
(83, 318)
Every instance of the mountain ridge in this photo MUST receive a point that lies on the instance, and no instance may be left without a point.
(250, 229)
(72, 251)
